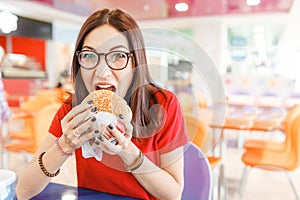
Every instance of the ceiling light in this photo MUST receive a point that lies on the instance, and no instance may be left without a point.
(181, 7)
(253, 2)
(8, 21)
(146, 7)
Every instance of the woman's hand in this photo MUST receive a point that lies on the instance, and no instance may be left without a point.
(77, 126)
(123, 139)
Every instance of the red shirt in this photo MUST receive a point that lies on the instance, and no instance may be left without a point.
(109, 175)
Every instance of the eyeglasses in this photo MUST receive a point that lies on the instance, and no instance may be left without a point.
(116, 60)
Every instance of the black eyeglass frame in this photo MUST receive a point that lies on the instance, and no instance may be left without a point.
(128, 54)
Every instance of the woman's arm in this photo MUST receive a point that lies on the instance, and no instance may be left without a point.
(163, 183)
(31, 179)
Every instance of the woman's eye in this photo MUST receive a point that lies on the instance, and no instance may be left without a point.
(88, 55)
(119, 55)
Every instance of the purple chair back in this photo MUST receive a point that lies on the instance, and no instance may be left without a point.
(197, 174)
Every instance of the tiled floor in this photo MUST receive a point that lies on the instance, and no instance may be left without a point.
(261, 184)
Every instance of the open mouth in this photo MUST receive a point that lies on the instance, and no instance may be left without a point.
(106, 87)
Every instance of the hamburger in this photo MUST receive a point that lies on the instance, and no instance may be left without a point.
(109, 107)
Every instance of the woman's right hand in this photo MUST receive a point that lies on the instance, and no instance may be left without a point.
(77, 126)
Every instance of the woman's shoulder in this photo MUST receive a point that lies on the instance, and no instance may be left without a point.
(65, 107)
(165, 97)
(163, 94)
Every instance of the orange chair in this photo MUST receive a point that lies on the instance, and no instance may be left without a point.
(196, 129)
(44, 98)
(286, 160)
(26, 120)
(40, 123)
(28, 108)
(273, 145)
(188, 103)
(198, 132)
(202, 100)
(217, 162)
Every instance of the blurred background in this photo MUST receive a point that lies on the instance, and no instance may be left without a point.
(252, 46)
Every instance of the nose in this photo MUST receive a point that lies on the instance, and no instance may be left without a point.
(102, 69)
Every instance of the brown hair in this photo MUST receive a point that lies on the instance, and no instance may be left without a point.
(140, 95)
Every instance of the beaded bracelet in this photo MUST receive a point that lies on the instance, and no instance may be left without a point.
(61, 151)
(44, 169)
(137, 164)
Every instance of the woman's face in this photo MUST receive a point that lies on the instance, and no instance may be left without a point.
(105, 39)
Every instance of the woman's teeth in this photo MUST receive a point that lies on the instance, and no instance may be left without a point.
(110, 87)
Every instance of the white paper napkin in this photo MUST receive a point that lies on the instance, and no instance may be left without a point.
(90, 149)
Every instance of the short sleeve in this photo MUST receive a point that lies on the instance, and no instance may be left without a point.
(55, 127)
(173, 133)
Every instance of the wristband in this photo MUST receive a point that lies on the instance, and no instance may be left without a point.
(137, 164)
(44, 170)
(61, 151)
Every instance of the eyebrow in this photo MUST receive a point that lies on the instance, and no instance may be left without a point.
(111, 49)
(118, 46)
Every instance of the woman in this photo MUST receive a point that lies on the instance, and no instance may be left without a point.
(110, 54)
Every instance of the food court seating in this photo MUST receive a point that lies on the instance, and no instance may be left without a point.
(197, 174)
(198, 132)
(286, 160)
(273, 145)
(196, 129)
(40, 124)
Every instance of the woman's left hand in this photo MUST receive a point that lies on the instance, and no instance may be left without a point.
(123, 139)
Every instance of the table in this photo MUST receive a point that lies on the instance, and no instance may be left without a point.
(60, 191)
(17, 114)
(238, 124)
(243, 124)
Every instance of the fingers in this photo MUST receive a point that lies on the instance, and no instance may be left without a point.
(90, 134)
(109, 135)
(79, 110)
(128, 129)
(77, 136)
(82, 128)
(78, 122)
(77, 116)
(126, 123)
(105, 132)
(107, 146)
(122, 140)
(80, 125)
(76, 133)
(76, 142)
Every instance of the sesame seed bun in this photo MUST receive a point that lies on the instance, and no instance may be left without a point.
(108, 101)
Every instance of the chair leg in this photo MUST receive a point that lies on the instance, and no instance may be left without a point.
(213, 187)
(243, 181)
(292, 184)
(216, 184)
(4, 159)
(3, 139)
(222, 183)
